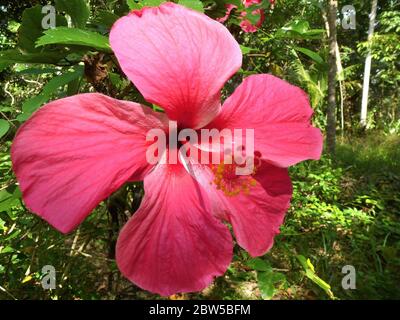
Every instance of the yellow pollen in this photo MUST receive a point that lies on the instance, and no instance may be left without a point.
(227, 181)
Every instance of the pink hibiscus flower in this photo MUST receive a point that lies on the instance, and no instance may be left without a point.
(75, 152)
(245, 24)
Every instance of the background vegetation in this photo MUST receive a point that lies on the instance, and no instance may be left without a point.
(345, 208)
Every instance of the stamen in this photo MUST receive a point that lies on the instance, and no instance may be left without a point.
(226, 180)
(232, 184)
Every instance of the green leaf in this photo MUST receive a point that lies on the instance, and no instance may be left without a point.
(7, 249)
(4, 65)
(310, 273)
(266, 285)
(253, 18)
(106, 19)
(264, 5)
(267, 282)
(36, 71)
(278, 277)
(13, 235)
(192, 4)
(14, 56)
(314, 33)
(27, 279)
(30, 105)
(259, 264)
(133, 5)
(299, 29)
(137, 5)
(73, 36)
(157, 108)
(4, 127)
(78, 10)
(245, 50)
(151, 3)
(51, 88)
(237, 3)
(73, 86)
(31, 28)
(299, 26)
(13, 26)
(311, 54)
(9, 200)
(303, 261)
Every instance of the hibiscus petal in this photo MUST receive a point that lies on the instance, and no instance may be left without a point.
(280, 115)
(173, 243)
(74, 152)
(229, 7)
(247, 26)
(178, 58)
(248, 3)
(255, 214)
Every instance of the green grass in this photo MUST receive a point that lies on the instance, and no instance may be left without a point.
(371, 155)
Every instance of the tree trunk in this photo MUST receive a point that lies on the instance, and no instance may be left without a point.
(331, 110)
(367, 68)
(339, 70)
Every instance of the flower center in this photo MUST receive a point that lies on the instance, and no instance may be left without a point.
(228, 181)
